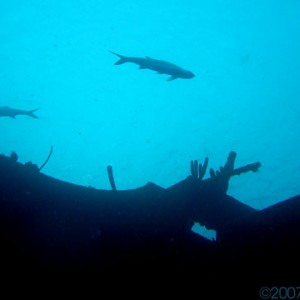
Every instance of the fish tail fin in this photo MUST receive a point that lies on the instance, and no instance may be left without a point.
(31, 114)
(122, 60)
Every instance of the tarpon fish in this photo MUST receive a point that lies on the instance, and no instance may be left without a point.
(160, 66)
(6, 111)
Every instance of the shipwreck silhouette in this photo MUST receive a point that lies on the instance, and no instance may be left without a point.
(51, 225)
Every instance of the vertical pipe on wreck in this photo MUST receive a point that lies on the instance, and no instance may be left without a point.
(111, 178)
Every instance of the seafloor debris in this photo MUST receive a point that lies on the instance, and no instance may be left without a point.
(48, 224)
(223, 175)
(47, 159)
(198, 171)
(14, 156)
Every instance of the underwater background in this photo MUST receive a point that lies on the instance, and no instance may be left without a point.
(54, 56)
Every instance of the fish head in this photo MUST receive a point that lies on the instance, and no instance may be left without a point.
(188, 75)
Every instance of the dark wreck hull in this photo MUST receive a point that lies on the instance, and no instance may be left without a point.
(49, 225)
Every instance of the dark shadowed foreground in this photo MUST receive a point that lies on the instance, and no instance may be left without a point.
(50, 226)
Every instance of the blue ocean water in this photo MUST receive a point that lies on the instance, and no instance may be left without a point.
(245, 96)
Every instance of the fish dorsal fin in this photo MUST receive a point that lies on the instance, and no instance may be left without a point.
(171, 78)
(148, 57)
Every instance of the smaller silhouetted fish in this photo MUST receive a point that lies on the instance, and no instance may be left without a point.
(6, 111)
(160, 66)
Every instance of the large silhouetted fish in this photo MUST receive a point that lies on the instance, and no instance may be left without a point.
(6, 111)
(160, 66)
